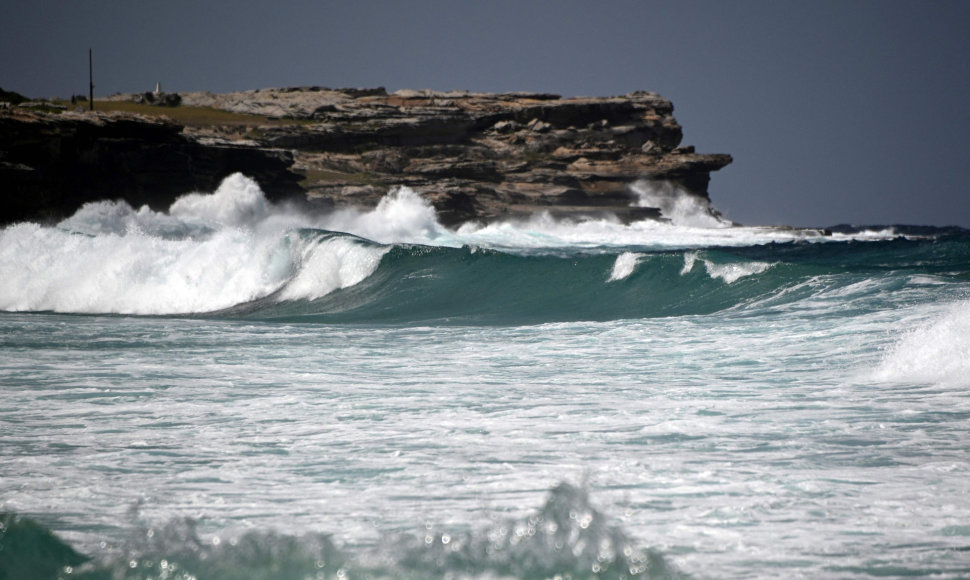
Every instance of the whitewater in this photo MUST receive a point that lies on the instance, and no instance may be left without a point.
(239, 389)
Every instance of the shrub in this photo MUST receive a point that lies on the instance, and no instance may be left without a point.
(11, 97)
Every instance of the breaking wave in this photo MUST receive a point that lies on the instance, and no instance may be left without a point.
(936, 352)
(566, 538)
(680, 207)
(729, 272)
(233, 253)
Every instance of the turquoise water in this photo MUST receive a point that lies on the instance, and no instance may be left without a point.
(233, 390)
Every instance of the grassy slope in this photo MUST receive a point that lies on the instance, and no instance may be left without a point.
(192, 116)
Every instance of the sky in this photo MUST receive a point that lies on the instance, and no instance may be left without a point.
(849, 111)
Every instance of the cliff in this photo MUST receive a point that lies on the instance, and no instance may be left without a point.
(474, 156)
(51, 164)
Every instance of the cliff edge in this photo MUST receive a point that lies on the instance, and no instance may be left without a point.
(474, 156)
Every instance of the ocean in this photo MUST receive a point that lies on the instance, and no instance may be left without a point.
(240, 389)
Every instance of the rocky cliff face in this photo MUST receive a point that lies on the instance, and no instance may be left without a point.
(51, 164)
(474, 156)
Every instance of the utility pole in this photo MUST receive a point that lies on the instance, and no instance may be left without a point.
(90, 81)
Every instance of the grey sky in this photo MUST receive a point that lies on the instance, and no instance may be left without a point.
(848, 111)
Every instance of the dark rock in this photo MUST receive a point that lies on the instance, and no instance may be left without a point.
(160, 99)
(505, 126)
(53, 164)
(356, 93)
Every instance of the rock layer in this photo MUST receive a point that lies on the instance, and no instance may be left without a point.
(474, 156)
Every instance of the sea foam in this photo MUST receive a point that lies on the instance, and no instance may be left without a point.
(938, 352)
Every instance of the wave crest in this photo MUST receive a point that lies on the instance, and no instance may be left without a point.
(331, 263)
(209, 252)
(729, 272)
(625, 264)
(566, 538)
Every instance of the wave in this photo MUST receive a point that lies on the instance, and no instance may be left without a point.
(730, 273)
(936, 352)
(207, 253)
(624, 265)
(232, 253)
(566, 538)
(479, 286)
(468, 285)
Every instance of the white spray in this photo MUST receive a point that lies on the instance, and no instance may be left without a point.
(936, 352)
(208, 252)
(624, 265)
(729, 273)
(679, 206)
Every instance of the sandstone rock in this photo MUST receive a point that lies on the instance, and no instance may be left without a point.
(505, 127)
(538, 126)
(475, 156)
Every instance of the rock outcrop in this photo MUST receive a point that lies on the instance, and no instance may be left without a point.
(51, 164)
(474, 156)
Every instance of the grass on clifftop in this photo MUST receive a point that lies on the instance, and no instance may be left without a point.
(191, 116)
(313, 176)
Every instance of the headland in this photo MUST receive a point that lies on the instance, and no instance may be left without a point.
(474, 156)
